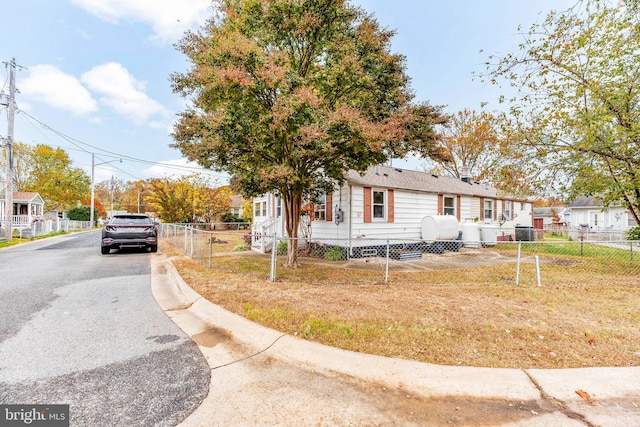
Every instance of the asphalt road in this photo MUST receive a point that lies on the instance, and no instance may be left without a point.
(81, 328)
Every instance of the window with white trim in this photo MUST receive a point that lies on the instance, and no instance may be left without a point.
(320, 207)
(379, 205)
(507, 210)
(488, 209)
(260, 209)
(449, 205)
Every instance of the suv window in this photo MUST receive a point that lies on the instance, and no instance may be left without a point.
(130, 220)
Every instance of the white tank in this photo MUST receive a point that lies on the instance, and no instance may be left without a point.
(439, 227)
(470, 234)
(489, 235)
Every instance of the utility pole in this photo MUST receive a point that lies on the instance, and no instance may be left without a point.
(8, 194)
(93, 191)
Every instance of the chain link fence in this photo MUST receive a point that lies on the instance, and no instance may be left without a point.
(545, 262)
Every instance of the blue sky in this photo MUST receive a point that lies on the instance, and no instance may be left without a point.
(94, 74)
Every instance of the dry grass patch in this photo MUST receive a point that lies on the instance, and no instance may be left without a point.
(460, 316)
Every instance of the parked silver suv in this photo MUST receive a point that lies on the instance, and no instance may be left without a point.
(129, 231)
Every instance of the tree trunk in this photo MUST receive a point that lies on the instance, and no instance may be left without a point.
(292, 204)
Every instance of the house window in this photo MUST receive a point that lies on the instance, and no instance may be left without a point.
(488, 209)
(260, 209)
(378, 205)
(522, 207)
(507, 210)
(449, 205)
(278, 207)
(320, 207)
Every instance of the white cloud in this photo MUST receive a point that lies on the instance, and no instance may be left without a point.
(169, 19)
(122, 92)
(48, 84)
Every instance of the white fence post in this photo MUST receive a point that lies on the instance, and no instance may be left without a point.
(386, 270)
(210, 250)
(274, 249)
(518, 264)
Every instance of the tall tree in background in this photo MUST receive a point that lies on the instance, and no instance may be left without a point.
(22, 161)
(111, 194)
(476, 146)
(578, 103)
(187, 199)
(288, 95)
(52, 175)
(133, 197)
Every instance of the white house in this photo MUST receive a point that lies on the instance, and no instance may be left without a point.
(388, 202)
(588, 213)
(27, 207)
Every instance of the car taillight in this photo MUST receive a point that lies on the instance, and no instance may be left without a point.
(110, 228)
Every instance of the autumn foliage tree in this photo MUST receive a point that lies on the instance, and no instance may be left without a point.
(287, 95)
(188, 199)
(51, 174)
(474, 145)
(577, 108)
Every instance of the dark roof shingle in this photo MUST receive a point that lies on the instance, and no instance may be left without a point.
(404, 179)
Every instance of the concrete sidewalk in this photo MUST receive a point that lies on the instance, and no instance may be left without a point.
(260, 376)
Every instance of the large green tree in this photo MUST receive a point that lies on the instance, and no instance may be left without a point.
(50, 173)
(287, 95)
(577, 109)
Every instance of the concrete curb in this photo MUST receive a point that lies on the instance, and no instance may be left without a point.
(613, 393)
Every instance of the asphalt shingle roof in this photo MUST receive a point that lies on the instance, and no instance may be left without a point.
(404, 179)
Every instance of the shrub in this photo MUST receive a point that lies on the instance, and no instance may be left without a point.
(240, 248)
(79, 213)
(334, 254)
(229, 217)
(633, 234)
(282, 247)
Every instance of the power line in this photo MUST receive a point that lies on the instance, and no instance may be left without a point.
(79, 146)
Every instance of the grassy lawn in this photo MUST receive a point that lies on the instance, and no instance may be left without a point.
(17, 240)
(585, 315)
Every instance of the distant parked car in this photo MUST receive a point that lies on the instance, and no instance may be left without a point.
(129, 231)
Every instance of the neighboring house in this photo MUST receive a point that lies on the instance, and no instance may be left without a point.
(388, 202)
(588, 213)
(544, 218)
(236, 205)
(27, 208)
